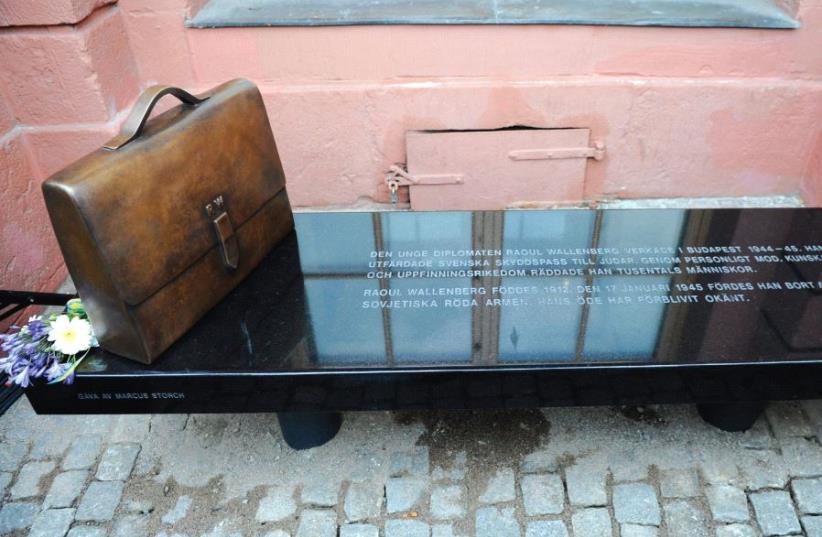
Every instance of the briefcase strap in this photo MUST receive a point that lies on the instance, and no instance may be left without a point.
(133, 125)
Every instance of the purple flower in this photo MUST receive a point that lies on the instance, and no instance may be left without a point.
(56, 370)
(25, 360)
(38, 329)
(29, 354)
(21, 376)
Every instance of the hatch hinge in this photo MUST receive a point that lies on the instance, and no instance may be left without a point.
(597, 153)
(397, 176)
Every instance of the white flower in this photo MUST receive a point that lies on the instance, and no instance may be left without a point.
(70, 336)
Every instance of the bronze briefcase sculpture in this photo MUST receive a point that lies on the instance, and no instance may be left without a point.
(162, 222)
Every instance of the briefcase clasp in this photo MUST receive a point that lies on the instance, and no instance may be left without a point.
(218, 214)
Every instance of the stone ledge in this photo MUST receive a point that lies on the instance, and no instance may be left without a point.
(691, 13)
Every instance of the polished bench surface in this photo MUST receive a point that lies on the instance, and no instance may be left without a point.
(393, 310)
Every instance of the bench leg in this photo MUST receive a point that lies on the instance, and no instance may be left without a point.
(732, 417)
(304, 430)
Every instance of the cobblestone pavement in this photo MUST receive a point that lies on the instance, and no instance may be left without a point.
(588, 472)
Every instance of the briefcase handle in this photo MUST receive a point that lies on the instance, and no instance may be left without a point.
(136, 120)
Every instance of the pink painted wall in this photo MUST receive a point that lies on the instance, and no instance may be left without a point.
(63, 88)
(683, 112)
(53, 12)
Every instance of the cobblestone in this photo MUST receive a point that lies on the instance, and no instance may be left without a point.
(679, 484)
(52, 522)
(455, 473)
(635, 530)
(317, 523)
(65, 488)
(443, 530)
(812, 526)
(808, 495)
(364, 500)
(586, 485)
(407, 528)
(178, 512)
(539, 462)
(787, 420)
(28, 482)
(278, 504)
(131, 526)
(775, 513)
(414, 462)
(728, 503)
(16, 516)
(684, 519)
(87, 531)
(5, 480)
(813, 410)
(758, 436)
(11, 455)
(501, 487)
(802, 456)
(130, 428)
(720, 471)
(83, 452)
(543, 494)
(47, 445)
(596, 476)
(403, 493)
(546, 528)
(275, 533)
(117, 462)
(447, 502)
(100, 501)
(359, 530)
(637, 504)
(594, 522)
(763, 469)
(624, 466)
(320, 493)
(735, 530)
(495, 522)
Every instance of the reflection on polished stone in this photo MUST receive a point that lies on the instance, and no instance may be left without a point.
(359, 311)
(484, 289)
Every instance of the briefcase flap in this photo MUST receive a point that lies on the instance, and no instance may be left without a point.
(145, 204)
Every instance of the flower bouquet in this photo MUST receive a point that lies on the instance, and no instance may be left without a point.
(48, 347)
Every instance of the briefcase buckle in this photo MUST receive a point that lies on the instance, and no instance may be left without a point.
(218, 214)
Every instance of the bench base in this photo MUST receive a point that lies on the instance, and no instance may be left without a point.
(305, 430)
(732, 417)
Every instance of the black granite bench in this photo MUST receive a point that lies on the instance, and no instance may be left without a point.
(399, 310)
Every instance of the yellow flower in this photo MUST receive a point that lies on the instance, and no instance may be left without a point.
(70, 336)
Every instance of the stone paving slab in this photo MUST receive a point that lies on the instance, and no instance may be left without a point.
(584, 472)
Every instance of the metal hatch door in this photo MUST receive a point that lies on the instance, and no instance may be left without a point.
(471, 170)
